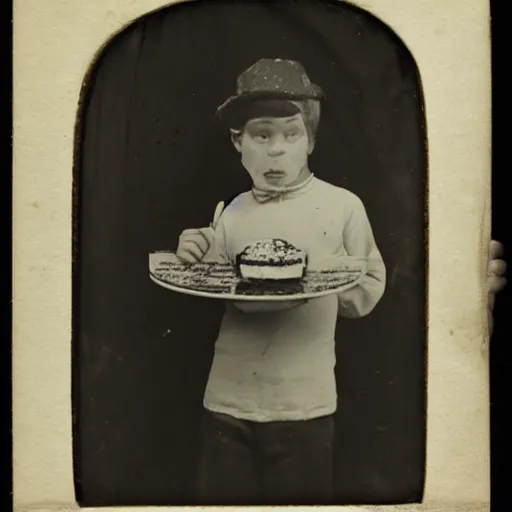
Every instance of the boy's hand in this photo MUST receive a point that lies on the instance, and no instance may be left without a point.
(496, 280)
(194, 244)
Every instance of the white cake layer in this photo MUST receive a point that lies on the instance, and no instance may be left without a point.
(272, 272)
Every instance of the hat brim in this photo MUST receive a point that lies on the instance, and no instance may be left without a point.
(230, 109)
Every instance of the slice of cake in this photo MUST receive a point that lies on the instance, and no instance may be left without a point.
(272, 259)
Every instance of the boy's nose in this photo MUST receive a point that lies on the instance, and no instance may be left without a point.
(276, 146)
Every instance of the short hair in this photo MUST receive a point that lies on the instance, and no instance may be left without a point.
(309, 109)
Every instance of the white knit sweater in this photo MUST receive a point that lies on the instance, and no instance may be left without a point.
(272, 366)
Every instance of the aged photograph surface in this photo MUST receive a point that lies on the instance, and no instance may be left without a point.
(249, 288)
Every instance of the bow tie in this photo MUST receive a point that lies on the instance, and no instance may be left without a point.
(279, 193)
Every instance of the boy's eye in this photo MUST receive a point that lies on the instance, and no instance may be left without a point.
(292, 134)
(261, 136)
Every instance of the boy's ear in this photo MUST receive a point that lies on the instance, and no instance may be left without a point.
(236, 135)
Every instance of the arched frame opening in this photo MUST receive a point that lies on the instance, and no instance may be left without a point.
(152, 161)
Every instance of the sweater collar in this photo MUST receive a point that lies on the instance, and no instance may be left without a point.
(263, 195)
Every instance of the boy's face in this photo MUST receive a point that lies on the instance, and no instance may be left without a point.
(274, 150)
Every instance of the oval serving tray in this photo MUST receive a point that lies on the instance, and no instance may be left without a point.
(221, 280)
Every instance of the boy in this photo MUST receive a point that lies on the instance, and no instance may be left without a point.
(271, 393)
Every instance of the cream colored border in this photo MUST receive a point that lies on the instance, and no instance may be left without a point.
(54, 43)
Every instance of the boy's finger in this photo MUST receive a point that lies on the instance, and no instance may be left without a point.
(496, 250)
(188, 232)
(193, 249)
(196, 239)
(207, 234)
(186, 257)
(496, 284)
(497, 267)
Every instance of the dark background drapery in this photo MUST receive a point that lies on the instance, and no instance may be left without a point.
(151, 161)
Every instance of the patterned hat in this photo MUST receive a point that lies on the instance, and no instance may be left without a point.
(270, 79)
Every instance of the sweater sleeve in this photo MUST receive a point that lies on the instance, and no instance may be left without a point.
(358, 240)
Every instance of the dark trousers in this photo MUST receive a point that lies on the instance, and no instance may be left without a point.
(276, 463)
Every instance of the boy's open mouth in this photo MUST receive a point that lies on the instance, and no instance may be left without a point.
(274, 173)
